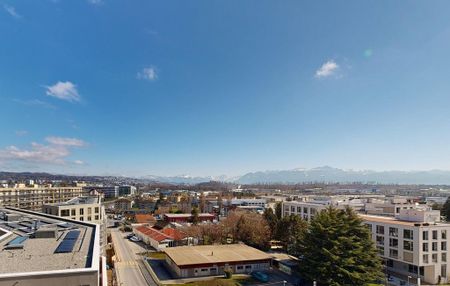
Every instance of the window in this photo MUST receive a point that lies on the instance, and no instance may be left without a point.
(435, 234)
(425, 246)
(380, 229)
(412, 268)
(74, 212)
(82, 211)
(81, 218)
(434, 257)
(425, 258)
(444, 270)
(443, 245)
(299, 209)
(444, 257)
(65, 212)
(248, 266)
(393, 253)
(89, 211)
(393, 242)
(393, 231)
(444, 234)
(96, 210)
(240, 267)
(380, 240)
(425, 235)
(96, 217)
(89, 218)
(434, 246)
(408, 234)
(408, 245)
(305, 210)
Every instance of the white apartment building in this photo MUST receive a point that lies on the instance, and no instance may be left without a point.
(309, 207)
(413, 244)
(87, 209)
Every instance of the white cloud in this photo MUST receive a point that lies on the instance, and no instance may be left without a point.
(78, 162)
(63, 90)
(327, 69)
(149, 73)
(95, 2)
(56, 152)
(12, 11)
(64, 141)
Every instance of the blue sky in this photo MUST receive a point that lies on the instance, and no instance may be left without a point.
(223, 87)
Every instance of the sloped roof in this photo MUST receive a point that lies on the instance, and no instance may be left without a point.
(165, 234)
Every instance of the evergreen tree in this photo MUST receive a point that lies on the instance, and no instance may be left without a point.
(445, 211)
(337, 250)
(194, 213)
(278, 210)
(271, 220)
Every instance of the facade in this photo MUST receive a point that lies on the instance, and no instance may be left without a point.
(81, 209)
(208, 260)
(108, 191)
(123, 204)
(127, 191)
(413, 244)
(41, 249)
(33, 198)
(147, 204)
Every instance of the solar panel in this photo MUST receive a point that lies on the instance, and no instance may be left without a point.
(18, 240)
(68, 242)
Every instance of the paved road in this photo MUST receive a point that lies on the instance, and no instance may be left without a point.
(127, 268)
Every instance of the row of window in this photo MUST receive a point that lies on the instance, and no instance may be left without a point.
(89, 218)
(73, 212)
(409, 245)
(434, 257)
(299, 210)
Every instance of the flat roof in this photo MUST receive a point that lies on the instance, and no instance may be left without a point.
(188, 215)
(393, 220)
(212, 254)
(38, 254)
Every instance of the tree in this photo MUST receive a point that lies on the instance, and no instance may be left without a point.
(194, 213)
(337, 250)
(278, 210)
(445, 212)
(290, 230)
(271, 220)
(202, 202)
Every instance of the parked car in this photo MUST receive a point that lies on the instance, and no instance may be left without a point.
(135, 239)
(130, 235)
(260, 276)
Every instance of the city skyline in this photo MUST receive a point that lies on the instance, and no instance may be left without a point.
(204, 88)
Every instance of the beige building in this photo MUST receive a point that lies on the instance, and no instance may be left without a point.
(33, 198)
(39, 249)
(88, 209)
(413, 244)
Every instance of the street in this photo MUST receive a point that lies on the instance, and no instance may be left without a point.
(127, 268)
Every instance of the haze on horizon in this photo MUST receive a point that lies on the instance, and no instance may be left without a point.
(213, 88)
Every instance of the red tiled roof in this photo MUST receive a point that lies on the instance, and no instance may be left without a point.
(143, 218)
(168, 233)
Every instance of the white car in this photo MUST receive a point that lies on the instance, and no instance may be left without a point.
(135, 239)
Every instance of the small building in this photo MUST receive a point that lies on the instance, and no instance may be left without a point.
(144, 219)
(210, 260)
(81, 209)
(127, 190)
(184, 218)
(160, 239)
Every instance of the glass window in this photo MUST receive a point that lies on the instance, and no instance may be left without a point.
(82, 211)
(89, 210)
(96, 217)
(96, 210)
(393, 253)
(435, 234)
(444, 257)
(434, 246)
(425, 246)
(89, 218)
(443, 245)
(380, 240)
(393, 242)
(299, 209)
(425, 235)
(393, 231)
(81, 219)
(408, 245)
(408, 234)
(73, 211)
(444, 270)
(380, 229)
(444, 234)
(65, 212)
(434, 257)
(425, 258)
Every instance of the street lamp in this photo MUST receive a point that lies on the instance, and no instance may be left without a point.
(409, 277)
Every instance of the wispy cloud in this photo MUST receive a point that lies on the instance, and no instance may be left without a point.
(63, 90)
(35, 102)
(95, 2)
(55, 152)
(327, 69)
(12, 11)
(78, 162)
(149, 73)
(21, 133)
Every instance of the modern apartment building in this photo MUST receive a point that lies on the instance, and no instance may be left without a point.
(41, 249)
(33, 198)
(81, 209)
(127, 190)
(106, 191)
(415, 243)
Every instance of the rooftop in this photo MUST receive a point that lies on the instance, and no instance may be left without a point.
(24, 251)
(79, 201)
(187, 215)
(205, 254)
(393, 220)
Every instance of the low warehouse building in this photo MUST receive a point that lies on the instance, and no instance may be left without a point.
(208, 260)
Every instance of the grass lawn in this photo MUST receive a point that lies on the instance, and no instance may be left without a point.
(155, 255)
